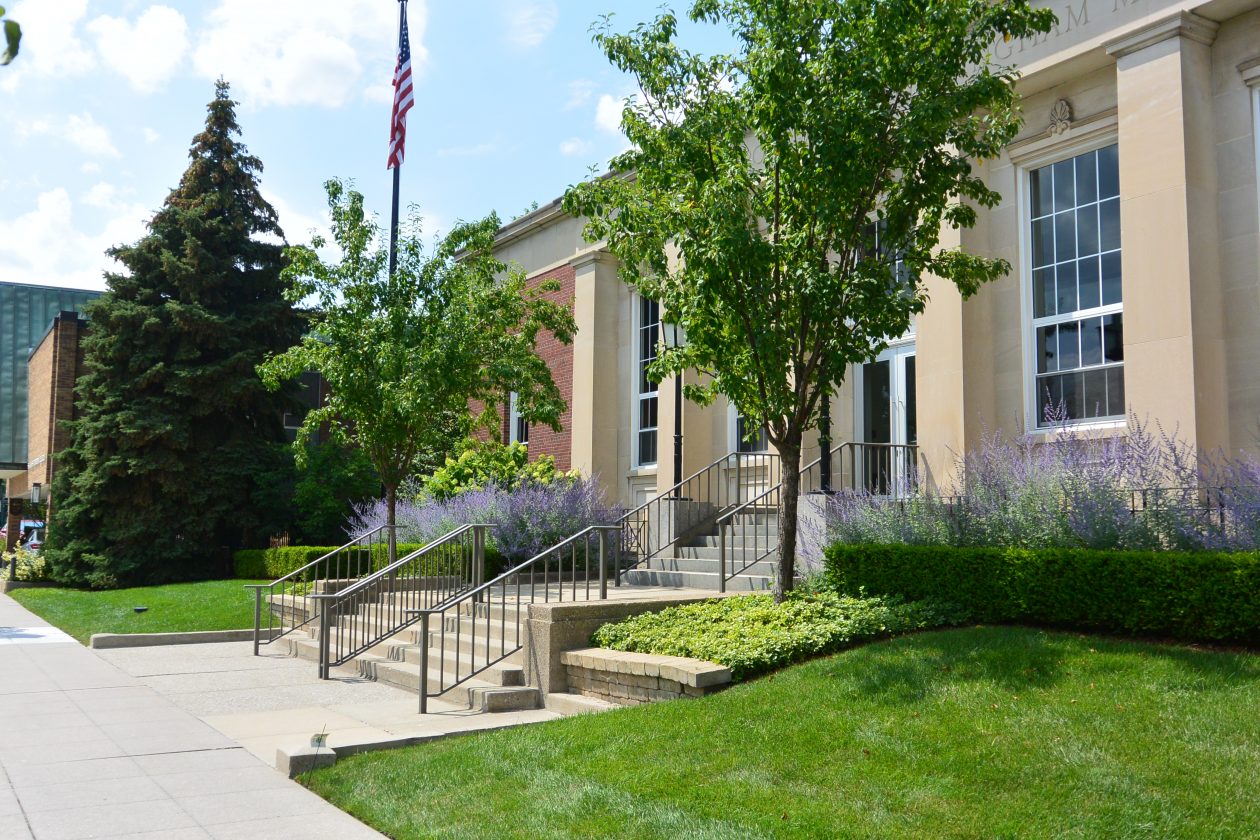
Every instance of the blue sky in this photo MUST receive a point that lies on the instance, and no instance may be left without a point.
(513, 104)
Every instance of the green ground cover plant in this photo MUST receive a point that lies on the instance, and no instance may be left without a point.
(1192, 595)
(994, 732)
(752, 634)
(174, 608)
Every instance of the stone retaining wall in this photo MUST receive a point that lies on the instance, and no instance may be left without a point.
(629, 679)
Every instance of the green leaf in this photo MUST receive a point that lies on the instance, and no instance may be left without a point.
(12, 38)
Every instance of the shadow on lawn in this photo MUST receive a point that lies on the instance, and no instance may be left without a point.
(1015, 659)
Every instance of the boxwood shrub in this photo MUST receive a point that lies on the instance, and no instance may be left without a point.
(1196, 595)
(272, 563)
(751, 634)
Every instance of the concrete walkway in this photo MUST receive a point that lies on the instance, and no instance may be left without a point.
(87, 750)
(273, 700)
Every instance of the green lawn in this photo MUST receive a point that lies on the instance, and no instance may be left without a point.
(206, 605)
(988, 732)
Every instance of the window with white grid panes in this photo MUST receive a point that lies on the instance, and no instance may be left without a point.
(518, 426)
(649, 335)
(1077, 308)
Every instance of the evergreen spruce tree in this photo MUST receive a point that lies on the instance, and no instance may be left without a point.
(173, 426)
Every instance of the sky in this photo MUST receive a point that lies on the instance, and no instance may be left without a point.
(514, 103)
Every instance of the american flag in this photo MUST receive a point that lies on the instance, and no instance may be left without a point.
(403, 96)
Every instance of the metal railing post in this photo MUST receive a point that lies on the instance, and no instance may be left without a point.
(257, 617)
(722, 558)
(479, 555)
(603, 567)
(325, 613)
(424, 662)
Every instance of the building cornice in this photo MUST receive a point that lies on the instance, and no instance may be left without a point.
(1250, 71)
(594, 256)
(1186, 25)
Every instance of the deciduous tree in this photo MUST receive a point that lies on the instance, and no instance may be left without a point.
(406, 355)
(754, 180)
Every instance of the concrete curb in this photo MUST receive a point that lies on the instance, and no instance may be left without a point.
(7, 586)
(293, 761)
(196, 637)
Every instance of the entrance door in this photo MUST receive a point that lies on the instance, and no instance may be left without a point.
(887, 419)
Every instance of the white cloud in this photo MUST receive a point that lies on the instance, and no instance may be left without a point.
(102, 195)
(145, 52)
(574, 146)
(90, 167)
(50, 41)
(529, 24)
(608, 113)
(45, 245)
(298, 225)
(306, 52)
(151, 136)
(580, 92)
(85, 133)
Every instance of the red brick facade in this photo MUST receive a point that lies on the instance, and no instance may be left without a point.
(52, 370)
(559, 357)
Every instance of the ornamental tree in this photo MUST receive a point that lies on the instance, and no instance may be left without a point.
(755, 179)
(173, 430)
(407, 356)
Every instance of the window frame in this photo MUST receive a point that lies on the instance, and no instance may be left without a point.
(733, 439)
(638, 396)
(516, 423)
(1104, 134)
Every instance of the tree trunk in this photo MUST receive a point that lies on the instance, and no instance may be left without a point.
(391, 504)
(789, 490)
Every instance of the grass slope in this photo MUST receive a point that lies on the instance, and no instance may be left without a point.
(989, 732)
(205, 605)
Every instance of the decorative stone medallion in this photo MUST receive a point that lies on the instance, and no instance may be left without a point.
(1060, 117)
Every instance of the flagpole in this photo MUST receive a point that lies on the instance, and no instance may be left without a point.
(393, 214)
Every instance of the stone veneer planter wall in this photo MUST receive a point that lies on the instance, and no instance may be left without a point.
(632, 678)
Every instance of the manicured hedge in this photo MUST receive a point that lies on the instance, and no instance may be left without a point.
(272, 563)
(1198, 595)
(259, 563)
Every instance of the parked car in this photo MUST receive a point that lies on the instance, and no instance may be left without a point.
(32, 535)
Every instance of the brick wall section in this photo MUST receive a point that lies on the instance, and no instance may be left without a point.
(559, 357)
(52, 370)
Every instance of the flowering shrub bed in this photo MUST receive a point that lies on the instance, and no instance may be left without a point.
(1140, 491)
(22, 565)
(1199, 595)
(527, 519)
(751, 634)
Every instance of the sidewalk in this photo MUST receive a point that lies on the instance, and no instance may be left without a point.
(274, 700)
(88, 751)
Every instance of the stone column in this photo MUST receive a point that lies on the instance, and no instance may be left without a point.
(1174, 355)
(597, 391)
(940, 376)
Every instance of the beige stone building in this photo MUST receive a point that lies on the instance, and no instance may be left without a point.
(1129, 217)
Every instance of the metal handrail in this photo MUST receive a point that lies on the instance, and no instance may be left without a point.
(343, 562)
(709, 485)
(480, 602)
(380, 605)
(727, 520)
(763, 502)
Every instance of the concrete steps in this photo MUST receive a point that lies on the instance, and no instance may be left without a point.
(696, 562)
(696, 580)
(396, 662)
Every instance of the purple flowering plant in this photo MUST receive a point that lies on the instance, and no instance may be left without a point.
(1141, 490)
(527, 518)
